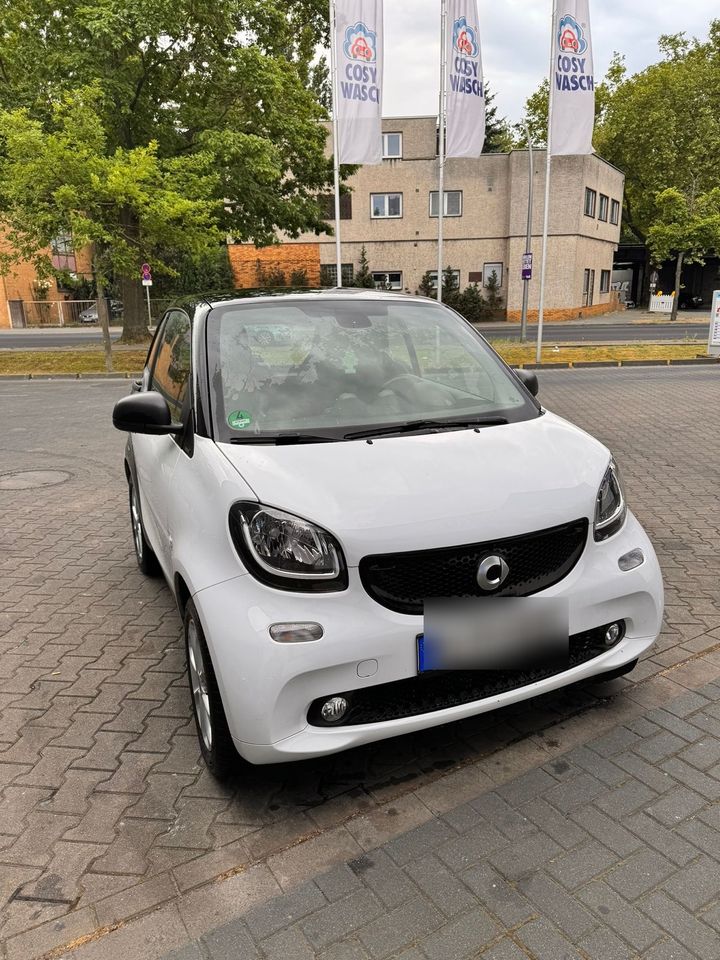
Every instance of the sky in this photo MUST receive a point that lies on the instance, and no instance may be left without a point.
(515, 37)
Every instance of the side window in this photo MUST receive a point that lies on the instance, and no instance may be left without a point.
(171, 363)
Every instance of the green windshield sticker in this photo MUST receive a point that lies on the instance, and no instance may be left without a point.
(239, 419)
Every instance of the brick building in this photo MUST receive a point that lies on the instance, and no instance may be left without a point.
(26, 299)
(392, 211)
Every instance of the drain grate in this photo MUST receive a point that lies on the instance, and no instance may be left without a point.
(33, 479)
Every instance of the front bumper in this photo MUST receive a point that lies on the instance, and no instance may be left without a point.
(268, 687)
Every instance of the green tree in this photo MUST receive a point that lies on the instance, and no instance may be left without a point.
(450, 287)
(498, 132)
(535, 119)
(206, 121)
(363, 277)
(686, 227)
(493, 300)
(427, 285)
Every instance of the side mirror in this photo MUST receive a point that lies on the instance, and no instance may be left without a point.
(145, 413)
(529, 379)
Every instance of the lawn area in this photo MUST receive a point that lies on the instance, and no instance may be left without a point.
(44, 362)
(515, 353)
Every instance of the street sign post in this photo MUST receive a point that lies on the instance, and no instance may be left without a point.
(714, 338)
(147, 283)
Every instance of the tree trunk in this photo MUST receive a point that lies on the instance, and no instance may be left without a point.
(678, 275)
(643, 292)
(135, 320)
(103, 314)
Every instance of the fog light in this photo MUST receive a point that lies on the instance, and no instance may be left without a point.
(295, 632)
(628, 561)
(334, 709)
(612, 634)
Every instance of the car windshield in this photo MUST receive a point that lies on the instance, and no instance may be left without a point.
(330, 366)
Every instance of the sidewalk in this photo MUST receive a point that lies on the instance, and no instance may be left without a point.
(610, 851)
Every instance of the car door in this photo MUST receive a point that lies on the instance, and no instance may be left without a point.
(155, 457)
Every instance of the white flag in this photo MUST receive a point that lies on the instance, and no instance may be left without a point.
(465, 121)
(359, 64)
(573, 80)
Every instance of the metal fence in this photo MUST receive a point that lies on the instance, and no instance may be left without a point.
(51, 313)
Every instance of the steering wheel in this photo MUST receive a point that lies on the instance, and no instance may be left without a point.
(402, 376)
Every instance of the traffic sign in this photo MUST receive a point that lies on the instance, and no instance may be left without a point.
(146, 275)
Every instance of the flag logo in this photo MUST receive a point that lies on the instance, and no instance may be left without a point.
(360, 43)
(571, 36)
(465, 39)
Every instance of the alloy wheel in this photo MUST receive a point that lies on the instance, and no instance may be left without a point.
(198, 683)
(136, 521)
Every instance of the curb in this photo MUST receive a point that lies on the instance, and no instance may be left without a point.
(70, 376)
(585, 364)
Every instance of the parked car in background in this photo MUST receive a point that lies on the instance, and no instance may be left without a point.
(370, 524)
(90, 314)
(689, 301)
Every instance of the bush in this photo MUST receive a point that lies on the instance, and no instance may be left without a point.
(427, 285)
(299, 278)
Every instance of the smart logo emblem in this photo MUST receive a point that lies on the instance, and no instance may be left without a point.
(465, 74)
(571, 69)
(492, 573)
(360, 49)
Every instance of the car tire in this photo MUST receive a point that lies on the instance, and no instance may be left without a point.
(618, 672)
(144, 553)
(216, 743)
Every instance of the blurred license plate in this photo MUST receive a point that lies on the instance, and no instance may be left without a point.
(495, 633)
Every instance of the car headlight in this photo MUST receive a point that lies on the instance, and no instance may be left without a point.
(610, 506)
(285, 551)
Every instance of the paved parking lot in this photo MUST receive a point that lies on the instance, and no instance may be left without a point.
(106, 812)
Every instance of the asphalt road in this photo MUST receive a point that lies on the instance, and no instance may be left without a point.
(594, 332)
(553, 333)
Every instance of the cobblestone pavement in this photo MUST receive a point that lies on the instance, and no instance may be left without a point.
(106, 812)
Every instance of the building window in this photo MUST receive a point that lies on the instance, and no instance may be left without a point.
(392, 146)
(493, 268)
(388, 279)
(432, 276)
(386, 206)
(604, 281)
(327, 202)
(604, 203)
(328, 274)
(615, 212)
(63, 253)
(590, 202)
(452, 204)
(588, 288)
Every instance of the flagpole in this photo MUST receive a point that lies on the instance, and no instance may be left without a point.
(336, 160)
(441, 143)
(546, 213)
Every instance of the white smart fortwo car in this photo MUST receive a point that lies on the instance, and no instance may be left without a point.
(370, 524)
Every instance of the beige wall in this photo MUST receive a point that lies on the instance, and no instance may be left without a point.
(493, 225)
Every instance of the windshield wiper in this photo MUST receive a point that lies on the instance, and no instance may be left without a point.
(283, 439)
(427, 425)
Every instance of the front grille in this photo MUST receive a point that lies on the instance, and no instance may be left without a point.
(403, 581)
(430, 692)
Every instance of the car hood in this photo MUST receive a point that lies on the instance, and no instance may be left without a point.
(431, 490)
